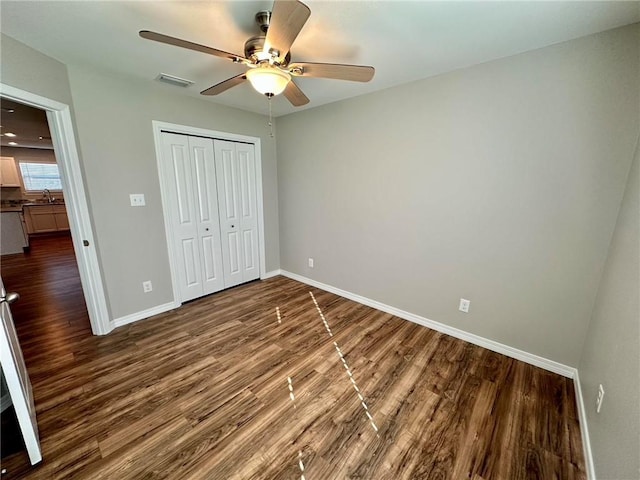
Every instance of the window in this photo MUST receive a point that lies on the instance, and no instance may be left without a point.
(38, 176)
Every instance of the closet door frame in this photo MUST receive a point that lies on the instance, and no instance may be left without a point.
(158, 128)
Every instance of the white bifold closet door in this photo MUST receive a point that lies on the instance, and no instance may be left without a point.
(211, 188)
(236, 176)
(194, 215)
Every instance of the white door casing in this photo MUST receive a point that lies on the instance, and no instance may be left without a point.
(17, 378)
(63, 139)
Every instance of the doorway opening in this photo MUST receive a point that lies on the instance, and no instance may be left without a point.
(74, 210)
(37, 258)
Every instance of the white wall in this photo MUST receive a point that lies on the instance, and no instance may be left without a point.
(499, 183)
(114, 128)
(611, 353)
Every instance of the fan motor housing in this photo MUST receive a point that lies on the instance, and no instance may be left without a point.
(254, 47)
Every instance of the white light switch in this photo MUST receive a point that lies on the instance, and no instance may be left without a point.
(137, 199)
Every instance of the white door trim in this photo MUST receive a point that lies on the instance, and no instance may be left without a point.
(158, 127)
(64, 145)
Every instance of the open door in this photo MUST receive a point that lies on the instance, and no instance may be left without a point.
(17, 378)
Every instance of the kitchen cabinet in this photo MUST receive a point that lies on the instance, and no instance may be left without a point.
(46, 218)
(13, 238)
(60, 214)
(8, 172)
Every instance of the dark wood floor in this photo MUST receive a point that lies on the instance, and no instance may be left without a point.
(224, 388)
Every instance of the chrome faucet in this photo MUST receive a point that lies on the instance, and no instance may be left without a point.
(47, 194)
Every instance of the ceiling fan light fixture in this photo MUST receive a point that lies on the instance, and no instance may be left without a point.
(267, 56)
(268, 80)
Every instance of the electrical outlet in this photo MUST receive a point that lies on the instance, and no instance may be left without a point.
(146, 286)
(137, 199)
(600, 398)
(464, 305)
(310, 262)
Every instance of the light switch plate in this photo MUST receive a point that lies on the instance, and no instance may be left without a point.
(137, 199)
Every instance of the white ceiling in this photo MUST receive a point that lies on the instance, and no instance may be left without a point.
(403, 40)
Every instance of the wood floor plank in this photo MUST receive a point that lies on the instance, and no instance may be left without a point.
(220, 389)
(475, 441)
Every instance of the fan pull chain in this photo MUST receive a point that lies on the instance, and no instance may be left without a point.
(270, 117)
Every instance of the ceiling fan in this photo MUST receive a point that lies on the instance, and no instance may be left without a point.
(268, 56)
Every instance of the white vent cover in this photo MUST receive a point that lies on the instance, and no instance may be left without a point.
(173, 80)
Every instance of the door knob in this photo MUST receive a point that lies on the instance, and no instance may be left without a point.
(10, 297)
(206, 229)
(232, 226)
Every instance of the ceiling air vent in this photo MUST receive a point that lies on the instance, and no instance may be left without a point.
(175, 81)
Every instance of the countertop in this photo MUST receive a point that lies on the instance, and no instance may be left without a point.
(18, 208)
(42, 204)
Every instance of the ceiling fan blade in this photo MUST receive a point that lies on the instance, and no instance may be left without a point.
(178, 42)
(287, 19)
(354, 73)
(224, 86)
(295, 95)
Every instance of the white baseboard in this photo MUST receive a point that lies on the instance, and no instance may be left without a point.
(150, 312)
(272, 273)
(526, 357)
(584, 430)
(492, 345)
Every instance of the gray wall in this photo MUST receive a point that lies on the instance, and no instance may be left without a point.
(113, 121)
(27, 69)
(499, 183)
(611, 353)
